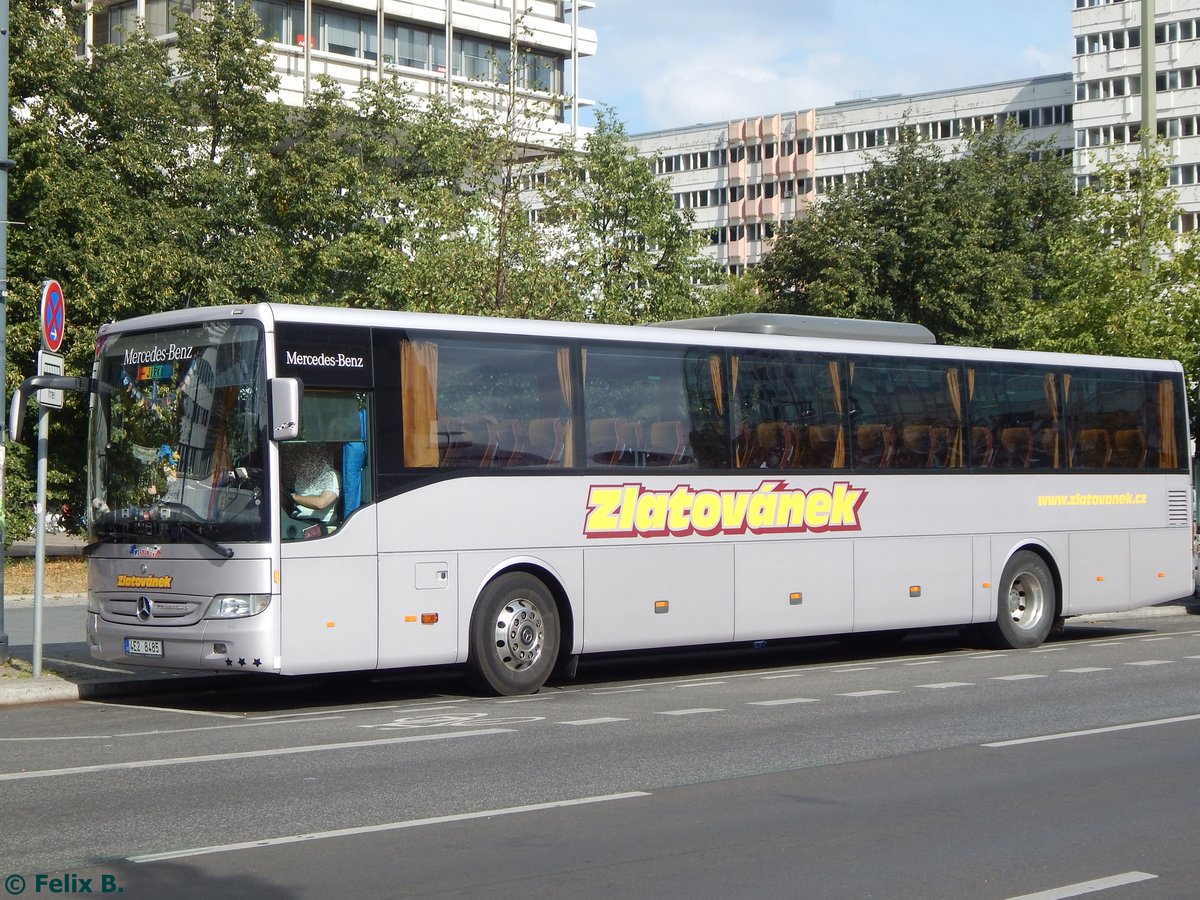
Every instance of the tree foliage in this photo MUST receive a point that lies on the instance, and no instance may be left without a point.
(150, 179)
(959, 245)
(1121, 281)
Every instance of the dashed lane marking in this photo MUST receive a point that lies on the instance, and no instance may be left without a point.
(1083, 669)
(700, 710)
(783, 702)
(867, 693)
(1015, 677)
(1151, 662)
(603, 720)
(947, 684)
(1088, 887)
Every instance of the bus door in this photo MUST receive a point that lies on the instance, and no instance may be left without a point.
(328, 540)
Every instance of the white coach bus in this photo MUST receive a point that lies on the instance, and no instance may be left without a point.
(301, 489)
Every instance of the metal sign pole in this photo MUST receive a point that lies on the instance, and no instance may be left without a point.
(49, 362)
(39, 544)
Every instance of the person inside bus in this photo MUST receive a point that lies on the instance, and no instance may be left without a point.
(314, 491)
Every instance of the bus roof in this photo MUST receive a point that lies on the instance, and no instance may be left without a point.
(662, 332)
(811, 326)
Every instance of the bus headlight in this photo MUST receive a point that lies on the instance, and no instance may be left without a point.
(237, 606)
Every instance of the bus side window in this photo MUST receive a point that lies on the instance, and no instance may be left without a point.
(636, 408)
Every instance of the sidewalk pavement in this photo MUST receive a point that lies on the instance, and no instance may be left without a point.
(70, 673)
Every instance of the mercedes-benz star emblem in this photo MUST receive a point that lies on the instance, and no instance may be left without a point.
(145, 608)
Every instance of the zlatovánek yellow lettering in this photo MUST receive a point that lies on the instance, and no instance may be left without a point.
(633, 510)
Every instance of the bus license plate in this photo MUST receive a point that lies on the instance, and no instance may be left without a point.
(143, 647)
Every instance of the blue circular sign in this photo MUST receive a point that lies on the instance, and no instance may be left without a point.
(54, 315)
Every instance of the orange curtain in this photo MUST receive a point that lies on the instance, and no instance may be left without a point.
(564, 387)
(955, 458)
(1168, 446)
(1052, 402)
(418, 398)
(714, 371)
(835, 378)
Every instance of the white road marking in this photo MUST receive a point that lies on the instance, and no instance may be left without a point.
(534, 699)
(185, 712)
(1151, 662)
(83, 665)
(989, 656)
(689, 712)
(389, 826)
(1015, 677)
(692, 684)
(947, 684)
(1192, 657)
(783, 702)
(1165, 637)
(867, 693)
(629, 690)
(604, 720)
(1088, 887)
(1090, 731)
(794, 675)
(923, 662)
(1048, 649)
(253, 723)
(246, 754)
(1084, 669)
(857, 669)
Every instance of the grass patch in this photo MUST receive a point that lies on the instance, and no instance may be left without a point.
(63, 575)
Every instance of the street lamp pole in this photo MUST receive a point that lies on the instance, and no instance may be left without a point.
(5, 165)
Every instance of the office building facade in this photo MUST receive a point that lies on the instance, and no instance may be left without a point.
(743, 178)
(503, 49)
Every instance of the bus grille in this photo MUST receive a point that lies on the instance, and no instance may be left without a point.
(1177, 507)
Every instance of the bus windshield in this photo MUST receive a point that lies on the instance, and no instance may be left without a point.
(178, 435)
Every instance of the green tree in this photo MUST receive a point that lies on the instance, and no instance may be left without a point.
(630, 254)
(1121, 281)
(956, 244)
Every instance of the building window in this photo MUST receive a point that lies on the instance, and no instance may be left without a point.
(417, 48)
(114, 23)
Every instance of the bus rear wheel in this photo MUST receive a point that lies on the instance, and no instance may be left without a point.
(1027, 604)
(514, 636)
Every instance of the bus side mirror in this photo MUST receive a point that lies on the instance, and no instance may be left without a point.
(285, 408)
(16, 408)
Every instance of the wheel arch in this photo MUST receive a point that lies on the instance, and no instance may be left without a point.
(555, 584)
(1040, 549)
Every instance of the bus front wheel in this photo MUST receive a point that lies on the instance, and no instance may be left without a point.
(1027, 603)
(514, 636)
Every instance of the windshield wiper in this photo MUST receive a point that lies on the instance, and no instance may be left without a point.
(208, 542)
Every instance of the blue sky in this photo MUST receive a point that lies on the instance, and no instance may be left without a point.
(670, 63)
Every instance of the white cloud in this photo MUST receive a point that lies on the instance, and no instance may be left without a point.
(670, 63)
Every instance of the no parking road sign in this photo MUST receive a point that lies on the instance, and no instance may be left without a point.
(54, 315)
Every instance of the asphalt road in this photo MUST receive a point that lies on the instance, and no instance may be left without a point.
(802, 770)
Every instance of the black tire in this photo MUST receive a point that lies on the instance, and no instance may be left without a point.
(514, 636)
(1026, 604)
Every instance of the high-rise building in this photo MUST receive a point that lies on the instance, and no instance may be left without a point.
(743, 178)
(448, 47)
